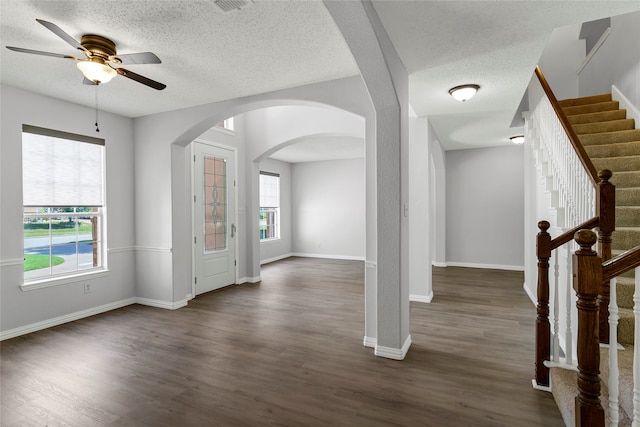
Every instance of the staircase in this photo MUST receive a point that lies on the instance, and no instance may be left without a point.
(612, 142)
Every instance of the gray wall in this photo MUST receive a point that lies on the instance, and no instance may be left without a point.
(18, 308)
(329, 208)
(485, 207)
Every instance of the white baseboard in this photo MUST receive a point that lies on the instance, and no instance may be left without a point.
(421, 298)
(438, 264)
(394, 353)
(532, 297)
(486, 266)
(328, 256)
(370, 342)
(255, 279)
(168, 305)
(27, 329)
(624, 103)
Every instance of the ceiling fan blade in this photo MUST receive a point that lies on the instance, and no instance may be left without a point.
(64, 36)
(136, 58)
(140, 79)
(39, 52)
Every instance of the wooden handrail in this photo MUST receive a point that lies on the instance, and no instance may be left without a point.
(567, 236)
(621, 264)
(573, 137)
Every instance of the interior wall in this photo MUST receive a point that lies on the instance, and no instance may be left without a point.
(329, 208)
(272, 250)
(19, 309)
(560, 59)
(485, 207)
(617, 62)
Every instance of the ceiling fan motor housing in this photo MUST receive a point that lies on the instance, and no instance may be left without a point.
(98, 45)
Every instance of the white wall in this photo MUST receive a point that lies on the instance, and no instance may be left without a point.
(329, 208)
(50, 305)
(485, 207)
(617, 62)
(561, 58)
(272, 250)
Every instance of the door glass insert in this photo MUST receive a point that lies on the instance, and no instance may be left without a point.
(215, 204)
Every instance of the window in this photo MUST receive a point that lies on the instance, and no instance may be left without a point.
(269, 206)
(63, 198)
(226, 125)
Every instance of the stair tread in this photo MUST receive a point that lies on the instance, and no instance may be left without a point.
(583, 100)
(598, 116)
(605, 126)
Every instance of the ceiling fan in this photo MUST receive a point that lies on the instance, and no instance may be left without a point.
(102, 60)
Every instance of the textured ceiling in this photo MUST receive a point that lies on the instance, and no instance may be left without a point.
(208, 55)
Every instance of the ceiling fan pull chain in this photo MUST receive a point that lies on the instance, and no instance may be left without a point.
(97, 129)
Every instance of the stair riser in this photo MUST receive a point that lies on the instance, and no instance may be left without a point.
(626, 179)
(614, 150)
(602, 116)
(618, 164)
(612, 126)
(628, 197)
(624, 294)
(626, 238)
(627, 216)
(625, 328)
(610, 137)
(593, 99)
(591, 108)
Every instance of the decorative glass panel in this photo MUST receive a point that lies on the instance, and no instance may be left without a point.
(215, 204)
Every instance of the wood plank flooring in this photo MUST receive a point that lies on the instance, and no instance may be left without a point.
(286, 352)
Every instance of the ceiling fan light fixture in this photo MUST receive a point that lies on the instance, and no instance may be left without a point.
(464, 92)
(517, 139)
(97, 71)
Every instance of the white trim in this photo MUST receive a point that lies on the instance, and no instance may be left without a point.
(277, 258)
(22, 330)
(161, 304)
(64, 280)
(421, 298)
(541, 387)
(486, 266)
(394, 353)
(594, 49)
(153, 249)
(625, 104)
(121, 249)
(531, 296)
(9, 262)
(328, 256)
(370, 264)
(438, 264)
(369, 342)
(255, 279)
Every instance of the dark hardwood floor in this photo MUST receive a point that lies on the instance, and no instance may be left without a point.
(287, 352)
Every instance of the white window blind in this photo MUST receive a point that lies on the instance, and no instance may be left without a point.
(61, 169)
(269, 190)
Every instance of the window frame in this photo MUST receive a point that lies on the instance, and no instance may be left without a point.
(273, 209)
(31, 211)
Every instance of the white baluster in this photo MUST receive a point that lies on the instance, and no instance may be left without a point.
(614, 415)
(556, 309)
(568, 334)
(636, 353)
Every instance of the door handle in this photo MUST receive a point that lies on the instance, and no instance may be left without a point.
(233, 230)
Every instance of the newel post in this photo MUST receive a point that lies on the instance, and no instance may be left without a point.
(543, 327)
(587, 282)
(606, 210)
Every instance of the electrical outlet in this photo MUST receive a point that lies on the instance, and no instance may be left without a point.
(87, 288)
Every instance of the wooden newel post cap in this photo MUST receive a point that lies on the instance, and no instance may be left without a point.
(586, 239)
(544, 226)
(605, 175)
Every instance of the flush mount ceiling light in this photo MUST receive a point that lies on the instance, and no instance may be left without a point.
(463, 92)
(517, 139)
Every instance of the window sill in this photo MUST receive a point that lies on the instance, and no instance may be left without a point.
(49, 282)
(225, 130)
(274, 240)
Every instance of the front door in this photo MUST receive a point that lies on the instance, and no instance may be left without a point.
(214, 218)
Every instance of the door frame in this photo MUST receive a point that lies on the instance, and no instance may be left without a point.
(234, 214)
